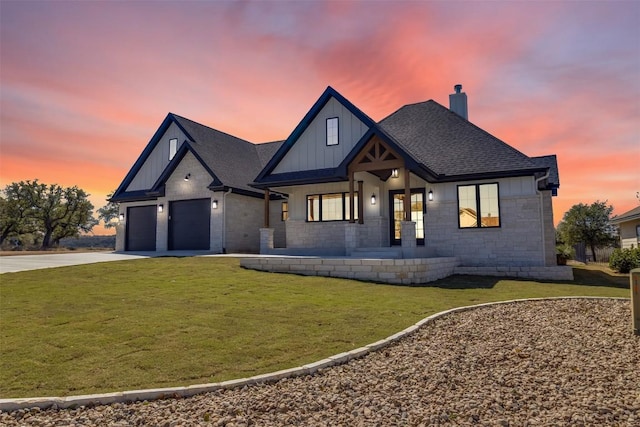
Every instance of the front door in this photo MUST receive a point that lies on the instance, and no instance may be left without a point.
(397, 214)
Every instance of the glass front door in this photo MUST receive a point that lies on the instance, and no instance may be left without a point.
(397, 214)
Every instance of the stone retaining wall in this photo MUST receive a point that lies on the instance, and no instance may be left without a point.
(394, 271)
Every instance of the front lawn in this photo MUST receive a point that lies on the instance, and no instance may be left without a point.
(179, 321)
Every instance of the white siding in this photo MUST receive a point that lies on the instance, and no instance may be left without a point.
(157, 160)
(311, 152)
(628, 234)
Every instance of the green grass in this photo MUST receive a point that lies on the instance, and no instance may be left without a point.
(179, 321)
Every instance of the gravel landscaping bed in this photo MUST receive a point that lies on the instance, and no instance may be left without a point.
(557, 362)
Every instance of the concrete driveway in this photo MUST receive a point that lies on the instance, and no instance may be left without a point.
(11, 264)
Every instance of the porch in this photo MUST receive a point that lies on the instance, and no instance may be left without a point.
(393, 271)
(408, 271)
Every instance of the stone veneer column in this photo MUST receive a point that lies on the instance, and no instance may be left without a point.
(266, 240)
(408, 238)
(350, 237)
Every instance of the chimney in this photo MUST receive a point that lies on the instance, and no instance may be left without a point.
(458, 102)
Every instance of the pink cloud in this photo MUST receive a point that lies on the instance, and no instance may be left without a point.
(85, 85)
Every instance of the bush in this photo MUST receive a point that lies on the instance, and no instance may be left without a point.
(624, 260)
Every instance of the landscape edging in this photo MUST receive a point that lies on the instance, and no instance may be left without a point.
(8, 405)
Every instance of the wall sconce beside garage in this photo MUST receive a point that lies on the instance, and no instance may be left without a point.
(214, 204)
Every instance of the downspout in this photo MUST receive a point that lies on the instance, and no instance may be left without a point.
(224, 221)
(544, 249)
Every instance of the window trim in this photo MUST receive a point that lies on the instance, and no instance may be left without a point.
(337, 131)
(479, 206)
(173, 148)
(284, 211)
(345, 206)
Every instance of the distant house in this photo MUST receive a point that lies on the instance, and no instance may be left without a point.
(423, 182)
(628, 225)
(189, 190)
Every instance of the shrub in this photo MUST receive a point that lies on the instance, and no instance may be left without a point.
(566, 251)
(624, 260)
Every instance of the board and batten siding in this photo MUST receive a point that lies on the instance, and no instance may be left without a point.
(311, 152)
(157, 160)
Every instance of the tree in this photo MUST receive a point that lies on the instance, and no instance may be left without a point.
(15, 212)
(109, 212)
(588, 224)
(52, 210)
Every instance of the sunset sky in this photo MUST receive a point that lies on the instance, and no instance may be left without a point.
(84, 85)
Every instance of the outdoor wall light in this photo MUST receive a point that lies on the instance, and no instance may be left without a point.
(394, 173)
(214, 204)
(187, 176)
(121, 217)
(430, 195)
(373, 199)
(160, 208)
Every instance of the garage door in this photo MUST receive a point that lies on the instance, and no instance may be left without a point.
(189, 224)
(141, 228)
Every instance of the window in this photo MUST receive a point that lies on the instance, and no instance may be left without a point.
(332, 131)
(284, 213)
(173, 147)
(330, 207)
(479, 201)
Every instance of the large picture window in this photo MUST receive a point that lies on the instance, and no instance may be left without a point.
(332, 131)
(478, 206)
(330, 207)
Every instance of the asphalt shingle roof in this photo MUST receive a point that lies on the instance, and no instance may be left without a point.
(627, 216)
(233, 160)
(550, 162)
(448, 144)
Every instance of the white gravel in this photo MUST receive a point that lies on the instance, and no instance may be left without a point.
(540, 363)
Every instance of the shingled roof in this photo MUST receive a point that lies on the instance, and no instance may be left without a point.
(233, 160)
(451, 146)
(631, 215)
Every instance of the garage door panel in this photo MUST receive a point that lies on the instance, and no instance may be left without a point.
(189, 224)
(141, 228)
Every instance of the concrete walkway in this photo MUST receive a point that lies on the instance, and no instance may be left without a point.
(15, 263)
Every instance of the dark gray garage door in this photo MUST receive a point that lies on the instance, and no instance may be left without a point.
(141, 228)
(189, 224)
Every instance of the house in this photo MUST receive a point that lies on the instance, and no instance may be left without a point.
(422, 186)
(189, 190)
(628, 225)
(423, 182)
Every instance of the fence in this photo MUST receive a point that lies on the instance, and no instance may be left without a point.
(583, 254)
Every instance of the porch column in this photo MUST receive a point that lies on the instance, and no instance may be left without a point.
(351, 204)
(407, 199)
(266, 208)
(360, 202)
(409, 244)
(350, 237)
(266, 240)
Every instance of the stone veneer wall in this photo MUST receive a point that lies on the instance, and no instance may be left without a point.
(395, 271)
(518, 242)
(303, 234)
